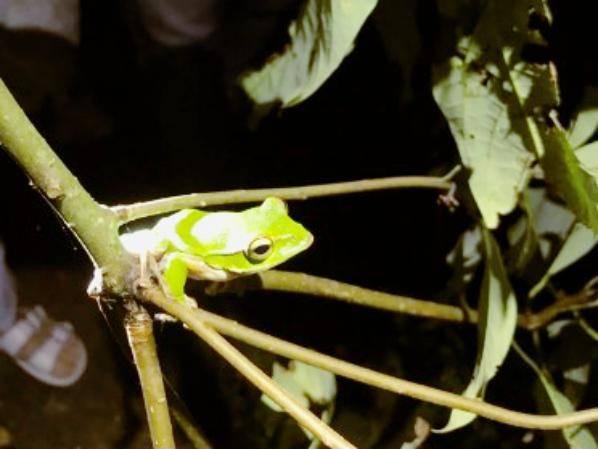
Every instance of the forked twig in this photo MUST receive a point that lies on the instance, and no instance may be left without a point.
(251, 372)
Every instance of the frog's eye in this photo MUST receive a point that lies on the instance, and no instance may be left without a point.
(259, 249)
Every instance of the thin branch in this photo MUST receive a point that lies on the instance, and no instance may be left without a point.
(251, 372)
(139, 324)
(288, 281)
(233, 329)
(563, 303)
(307, 284)
(586, 327)
(136, 211)
(94, 225)
(193, 434)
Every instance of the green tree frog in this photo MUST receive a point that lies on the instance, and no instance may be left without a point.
(218, 246)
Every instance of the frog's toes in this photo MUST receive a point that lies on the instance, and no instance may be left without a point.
(165, 318)
(142, 283)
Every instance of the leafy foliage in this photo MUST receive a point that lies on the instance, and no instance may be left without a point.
(497, 104)
(577, 437)
(501, 108)
(487, 93)
(320, 38)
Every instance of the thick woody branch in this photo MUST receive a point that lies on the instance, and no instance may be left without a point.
(94, 225)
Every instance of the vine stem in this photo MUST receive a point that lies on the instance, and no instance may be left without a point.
(139, 327)
(136, 211)
(194, 317)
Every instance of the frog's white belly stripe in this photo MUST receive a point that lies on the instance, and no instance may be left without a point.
(201, 271)
(139, 242)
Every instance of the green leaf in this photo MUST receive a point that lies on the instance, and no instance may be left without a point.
(489, 96)
(523, 237)
(577, 437)
(578, 243)
(576, 381)
(465, 258)
(585, 123)
(537, 236)
(495, 102)
(550, 219)
(496, 327)
(422, 432)
(489, 147)
(588, 158)
(564, 172)
(317, 384)
(320, 38)
(305, 382)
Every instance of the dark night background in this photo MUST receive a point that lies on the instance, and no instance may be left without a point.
(135, 120)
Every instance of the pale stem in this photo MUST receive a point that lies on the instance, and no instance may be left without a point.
(136, 211)
(233, 329)
(307, 284)
(139, 324)
(288, 281)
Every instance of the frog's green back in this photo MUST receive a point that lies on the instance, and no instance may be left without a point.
(226, 240)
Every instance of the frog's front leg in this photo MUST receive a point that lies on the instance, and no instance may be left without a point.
(176, 267)
(143, 270)
(174, 272)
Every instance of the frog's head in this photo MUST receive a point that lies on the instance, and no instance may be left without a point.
(256, 239)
